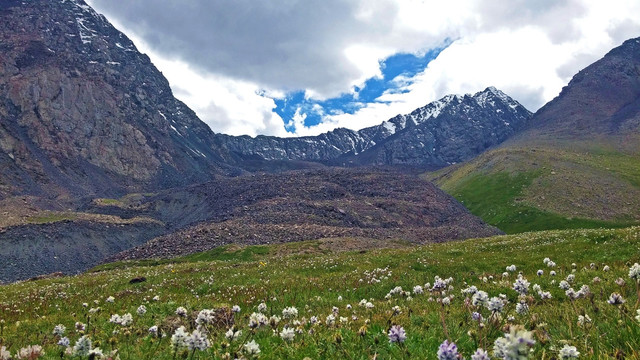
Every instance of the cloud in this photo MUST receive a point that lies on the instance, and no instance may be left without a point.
(220, 56)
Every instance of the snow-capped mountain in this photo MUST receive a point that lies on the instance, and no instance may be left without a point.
(452, 129)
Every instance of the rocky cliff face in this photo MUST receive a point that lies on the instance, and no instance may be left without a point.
(452, 129)
(82, 111)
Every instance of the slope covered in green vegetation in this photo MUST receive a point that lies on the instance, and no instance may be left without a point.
(543, 187)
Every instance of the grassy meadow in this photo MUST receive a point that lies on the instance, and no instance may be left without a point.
(533, 295)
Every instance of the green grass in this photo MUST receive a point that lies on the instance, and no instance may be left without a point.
(541, 186)
(222, 253)
(50, 218)
(313, 283)
(496, 198)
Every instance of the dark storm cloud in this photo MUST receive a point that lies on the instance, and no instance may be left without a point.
(284, 44)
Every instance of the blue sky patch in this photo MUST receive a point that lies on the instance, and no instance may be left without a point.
(407, 65)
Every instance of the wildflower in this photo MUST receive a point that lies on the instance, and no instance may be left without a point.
(418, 290)
(262, 307)
(205, 316)
(620, 282)
(536, 288)
(511, 268)
(180, 311)
(545, 295)
(514, 345)
(256, 320)
(62, 342)
(551, 264)
(615, 299)
(480, 298)
(30, 352)
(59, 330)
(153, 330)
(606, 268)
(582, 320)
(339, 297)
(540, 272)
(369, 305)
(251, 348)
(330, 320)
(110, 299)
(634, 272)
(495, 305)
(287, 334)
(4, 354)
(274, 320)
(445, 300)
(448, 351)
(522, 308)
(290, 312)
(552, 273)
(596, 280)
(476, 316)
(571, 294)
(470, 290)
(141, 310)
(480, 355)
(156, 298)
(179, 338)
(584, 291)
(521, 285)
(82, 346)
(96, 353)
(571, 278)
(349, 307)
(232, 335)
(569, 352)
(197, 340)
(638, 316)
(313, 320)
(80, 326)
(397, 334)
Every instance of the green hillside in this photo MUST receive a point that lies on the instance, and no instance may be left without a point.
(330, 291)
(543, 186)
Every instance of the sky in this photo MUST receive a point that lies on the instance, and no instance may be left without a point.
(304, 67)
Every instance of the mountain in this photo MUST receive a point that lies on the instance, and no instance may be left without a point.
(83, 112)
(576, 163)
(98, 156)
(450, 130)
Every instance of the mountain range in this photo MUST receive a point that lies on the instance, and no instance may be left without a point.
(100, 161)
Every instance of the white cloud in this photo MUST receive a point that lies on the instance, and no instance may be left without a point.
(223, 53)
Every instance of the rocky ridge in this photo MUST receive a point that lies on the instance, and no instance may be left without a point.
(452, 129)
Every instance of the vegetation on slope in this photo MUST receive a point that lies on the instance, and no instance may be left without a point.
(346, 304)
(545, 187)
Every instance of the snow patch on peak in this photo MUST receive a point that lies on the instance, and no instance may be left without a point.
(390, 127)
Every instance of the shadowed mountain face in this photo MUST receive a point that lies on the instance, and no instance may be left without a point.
(577, 163)
(83, 112)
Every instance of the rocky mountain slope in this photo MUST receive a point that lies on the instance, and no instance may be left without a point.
(576, 164)
(450, 130)
(301, 205)
(83, 112)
